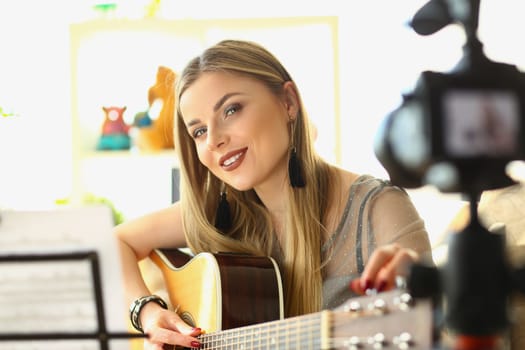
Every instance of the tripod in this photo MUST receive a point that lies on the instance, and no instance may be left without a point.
(475, 285)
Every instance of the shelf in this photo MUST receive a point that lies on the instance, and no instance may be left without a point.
(109, 68)
(132, 154)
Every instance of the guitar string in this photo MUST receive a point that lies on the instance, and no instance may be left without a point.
(270, 334)
(274, 334)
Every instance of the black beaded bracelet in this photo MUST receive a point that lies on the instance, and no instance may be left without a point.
(137, 305)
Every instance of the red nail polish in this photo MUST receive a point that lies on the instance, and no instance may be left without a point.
(367, 285)
(195, 344)
(381, 286)
(354, 285)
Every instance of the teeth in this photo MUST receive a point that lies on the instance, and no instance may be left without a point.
(231, 160)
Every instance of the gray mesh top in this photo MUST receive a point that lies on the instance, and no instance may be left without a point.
(376, 213)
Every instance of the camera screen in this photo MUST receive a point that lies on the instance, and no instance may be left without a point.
(481, 123)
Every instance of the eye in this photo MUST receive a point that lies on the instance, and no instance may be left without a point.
(198, 132)
(232, 109)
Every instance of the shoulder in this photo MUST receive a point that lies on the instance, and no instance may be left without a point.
(359, 191)
(375, 195)
(370, 184)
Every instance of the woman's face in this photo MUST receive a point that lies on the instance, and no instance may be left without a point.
(240, 128)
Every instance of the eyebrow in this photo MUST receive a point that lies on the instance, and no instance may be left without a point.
(216, 107)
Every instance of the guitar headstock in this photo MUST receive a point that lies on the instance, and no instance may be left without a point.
(387, 320)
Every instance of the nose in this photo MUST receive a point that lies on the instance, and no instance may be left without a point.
(215, 138)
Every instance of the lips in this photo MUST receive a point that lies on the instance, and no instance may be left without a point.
(232, 160)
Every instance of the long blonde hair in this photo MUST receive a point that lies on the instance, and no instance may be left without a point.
(252, 230)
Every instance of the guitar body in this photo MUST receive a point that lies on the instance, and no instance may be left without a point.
(238, 301)
(218, 291)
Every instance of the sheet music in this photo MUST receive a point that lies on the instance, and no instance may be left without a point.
(58, 296)
(47, 297)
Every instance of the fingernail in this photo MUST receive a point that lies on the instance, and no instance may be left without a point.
(195, 344)
(381, 286)
(367, 284)
(354, 285)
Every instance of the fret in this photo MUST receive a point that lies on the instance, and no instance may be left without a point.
(289, 338)
(251, 339)
(325, 329)
(305, 332)
(291, 334)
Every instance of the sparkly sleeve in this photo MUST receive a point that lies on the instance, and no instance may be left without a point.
(377, 213)
(393, 218)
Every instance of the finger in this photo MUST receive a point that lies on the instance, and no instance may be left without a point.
(398, 265)
(148, 345)
(166, 336)
(178, 324)
(196, 331)
(355, 286)
(379, 258)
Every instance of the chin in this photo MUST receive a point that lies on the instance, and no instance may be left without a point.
(241, 186)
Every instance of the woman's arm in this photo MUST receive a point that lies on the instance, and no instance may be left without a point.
(137, 238)
(400, 240)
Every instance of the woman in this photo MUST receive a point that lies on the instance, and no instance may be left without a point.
(244, 143)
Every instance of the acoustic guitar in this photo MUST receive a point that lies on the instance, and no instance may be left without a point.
(238, 301)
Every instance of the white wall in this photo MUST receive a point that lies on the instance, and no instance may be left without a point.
(35, 155)
(379, 59)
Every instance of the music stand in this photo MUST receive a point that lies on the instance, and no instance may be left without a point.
(52, 288)
(102, 334)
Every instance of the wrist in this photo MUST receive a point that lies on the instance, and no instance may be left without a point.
(138, 304)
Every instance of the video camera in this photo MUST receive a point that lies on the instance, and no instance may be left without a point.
(458, 131)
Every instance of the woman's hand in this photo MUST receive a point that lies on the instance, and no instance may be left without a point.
(385, 264)
(166, 327)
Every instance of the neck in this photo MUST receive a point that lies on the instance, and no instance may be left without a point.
(274, 193)
(304, 332)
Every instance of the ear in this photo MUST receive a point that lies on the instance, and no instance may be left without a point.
(291, 99)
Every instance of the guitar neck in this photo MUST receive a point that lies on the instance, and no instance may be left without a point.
(302, 332)
(386, 321)
(226, 309)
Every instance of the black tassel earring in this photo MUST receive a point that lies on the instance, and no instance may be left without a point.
(295, 168)
(223, 220)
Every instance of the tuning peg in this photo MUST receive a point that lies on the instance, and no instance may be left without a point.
(353, 307)
(404, 301)
(354, 343)
(378, 306)
(404, 341)
(378, 341)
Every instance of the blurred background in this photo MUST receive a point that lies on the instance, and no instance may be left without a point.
(62, 62)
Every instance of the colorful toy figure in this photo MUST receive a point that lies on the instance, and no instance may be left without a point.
(155, 126)
(115, 131)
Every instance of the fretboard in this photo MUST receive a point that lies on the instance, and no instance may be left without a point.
(302, 332)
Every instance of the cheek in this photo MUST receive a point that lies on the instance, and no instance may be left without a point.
(272, 142)
(273, 123)
(203, 154)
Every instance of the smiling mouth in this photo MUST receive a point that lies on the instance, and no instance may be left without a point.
(233, 160)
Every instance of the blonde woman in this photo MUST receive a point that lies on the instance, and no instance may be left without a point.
(251, 182)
